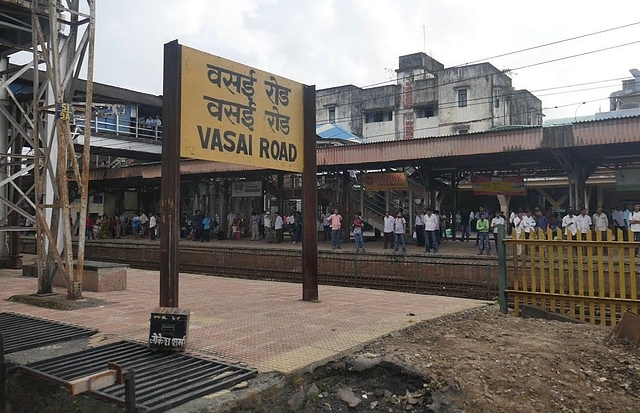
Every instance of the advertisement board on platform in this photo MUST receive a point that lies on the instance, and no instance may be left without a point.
(246, 189)
(508, 185)
(627, 179)
(391, 181)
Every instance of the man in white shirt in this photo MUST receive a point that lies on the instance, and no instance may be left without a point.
(569, 225)
(619, 222)
(634, 221)
(583, 223)
(431, 225)
(495, 223)
(278, 224)
(399, 229)
(268, 227)
(230, 218)
(529, 225)
(388, 229)
(291, 224)
(152, 227)
(326, 228)
(600, 223)
(144, 224)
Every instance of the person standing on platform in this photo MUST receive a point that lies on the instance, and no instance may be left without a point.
(456, 225)
(431, 223)
(619, 222)
(206, 228)
(495, 223)
(388, 230)
(420, 235)
(583, 223)
(569, 225)
(268, 227)
(291, 225)
(634, 221)
(325, 225)
(231, 216)
(144, 224)
(482, 229)
(358, 224)
(465, 220)
(399, 230)
(261, 227)
(335, 220)
(197, 223)
(135, 225)
(89, 227)
(255, 225)
(601, 223)
(278, 224)
(297, 234)
(152, 227)
(123, 223)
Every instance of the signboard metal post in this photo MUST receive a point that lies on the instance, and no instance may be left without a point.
(309, 199)
(218, 110)
(170, 184)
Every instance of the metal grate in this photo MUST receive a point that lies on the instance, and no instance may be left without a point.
(23, 332)
(163, 380)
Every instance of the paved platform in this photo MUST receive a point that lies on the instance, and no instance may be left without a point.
(263, 324)
(373, 246)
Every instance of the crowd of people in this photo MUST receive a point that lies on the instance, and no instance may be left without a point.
(431, 227)
(140, 225)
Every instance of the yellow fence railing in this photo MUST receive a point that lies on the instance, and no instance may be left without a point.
(591, 276)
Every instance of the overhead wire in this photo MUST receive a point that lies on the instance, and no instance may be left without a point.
(624, 26)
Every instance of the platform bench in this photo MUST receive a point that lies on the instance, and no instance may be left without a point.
(98, 276)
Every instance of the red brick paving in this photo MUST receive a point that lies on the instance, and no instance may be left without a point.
(261, 323)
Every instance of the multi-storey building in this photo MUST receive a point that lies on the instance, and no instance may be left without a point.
(429, 100)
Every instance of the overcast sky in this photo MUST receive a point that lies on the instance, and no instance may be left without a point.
(335, 42)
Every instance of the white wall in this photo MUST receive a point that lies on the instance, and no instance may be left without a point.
(423, 127)
(380, 131)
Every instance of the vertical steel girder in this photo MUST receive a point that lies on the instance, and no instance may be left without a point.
(62, 33)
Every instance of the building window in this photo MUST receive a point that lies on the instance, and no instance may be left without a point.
(462, 98)
(379, 116)
(496, 102)
(425, 112)
(332, 115)
(463, 131)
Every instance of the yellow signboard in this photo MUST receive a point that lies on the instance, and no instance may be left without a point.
(391, 181)
(237, 114)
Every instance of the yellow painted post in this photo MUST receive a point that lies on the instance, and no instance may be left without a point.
(622, 273)
(613, 285)
(581, 303)
(633, 275)
(561, 287)
(552, 275)
(601, 286)
(591, 280)
(543, 273)
(516, 278)
(533, 270)
(571, 279)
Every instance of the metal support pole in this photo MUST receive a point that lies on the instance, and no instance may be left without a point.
(170, 184)
(129, 378)
(3, 378)
(4, 146)
(309, 199)
(346, 199)
(502, 270)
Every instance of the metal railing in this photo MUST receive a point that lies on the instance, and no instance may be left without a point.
(121, 127)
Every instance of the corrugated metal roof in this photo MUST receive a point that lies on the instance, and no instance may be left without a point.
(596, 132)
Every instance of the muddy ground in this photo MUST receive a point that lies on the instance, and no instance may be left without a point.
(475, 361)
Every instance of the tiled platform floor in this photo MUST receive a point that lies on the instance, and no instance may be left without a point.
(263, 324)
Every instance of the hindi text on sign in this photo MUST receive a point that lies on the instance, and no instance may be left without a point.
(227, 116)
